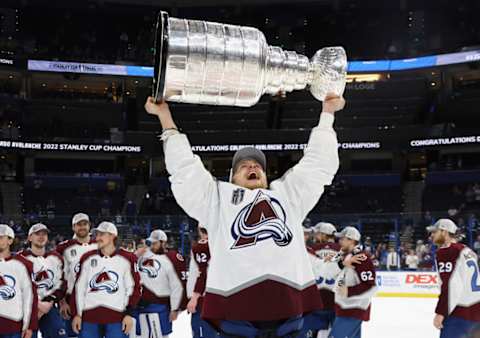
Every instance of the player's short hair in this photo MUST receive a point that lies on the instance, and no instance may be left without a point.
(202, 230)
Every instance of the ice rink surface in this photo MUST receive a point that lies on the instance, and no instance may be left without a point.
(390, 318)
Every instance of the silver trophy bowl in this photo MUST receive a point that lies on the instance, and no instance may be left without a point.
(205, 62)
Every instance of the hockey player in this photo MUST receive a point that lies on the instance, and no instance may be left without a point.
(313, 321)
(260, 281)
(327, 250)
(325, 244)
(307, 236)
(162, 289)
(107, 289)
(355, 287)
(48, 277)
(197, 279)
(326, 270)
(458, 307)
(181, 269)
(71, 251)
(18, 294)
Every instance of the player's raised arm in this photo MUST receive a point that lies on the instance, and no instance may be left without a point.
(195, 190)
(304, 183)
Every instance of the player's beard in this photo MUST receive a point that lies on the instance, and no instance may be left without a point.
(159, 251)
(439, 241)
(82, 234)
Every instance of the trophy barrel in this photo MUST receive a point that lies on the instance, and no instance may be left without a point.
(212, 63)
(208, 63)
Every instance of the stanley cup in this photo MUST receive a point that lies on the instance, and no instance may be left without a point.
(212, 63)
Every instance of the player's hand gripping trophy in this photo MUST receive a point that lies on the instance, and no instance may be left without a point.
(212, 63)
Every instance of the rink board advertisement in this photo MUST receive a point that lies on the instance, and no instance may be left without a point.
(420, 284)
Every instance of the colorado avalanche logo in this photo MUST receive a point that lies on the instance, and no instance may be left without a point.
(149, 266)
(262, 219)
(44, 279)
(7, 287)
(329, 282)
(104, 280)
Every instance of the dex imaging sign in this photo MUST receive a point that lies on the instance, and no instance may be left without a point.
(408, 284)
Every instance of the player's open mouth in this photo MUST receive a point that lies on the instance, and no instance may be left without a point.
(252, 176)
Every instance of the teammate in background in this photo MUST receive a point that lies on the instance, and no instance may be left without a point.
(71, 251)
(307, 236)
(327, 265)
(18, 294)
(162, 291)
(355, 287)
(107, 289)
(458, 307)
(314, 321)
(197, 279)
(325, 246)
(181, 268)
(48, 277)
(254, 287)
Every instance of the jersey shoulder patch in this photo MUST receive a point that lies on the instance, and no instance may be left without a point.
(174, 255)
(62, 246)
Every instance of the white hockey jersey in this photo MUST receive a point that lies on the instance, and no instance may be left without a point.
(71, 251)
(193, 274)
(326, 273)
(106, 287)
(160, 281)
(47, 274)
(259, 268)
(457, 266)
(18, 296)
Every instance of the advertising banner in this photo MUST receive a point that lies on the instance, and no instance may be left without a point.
(423, 284)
